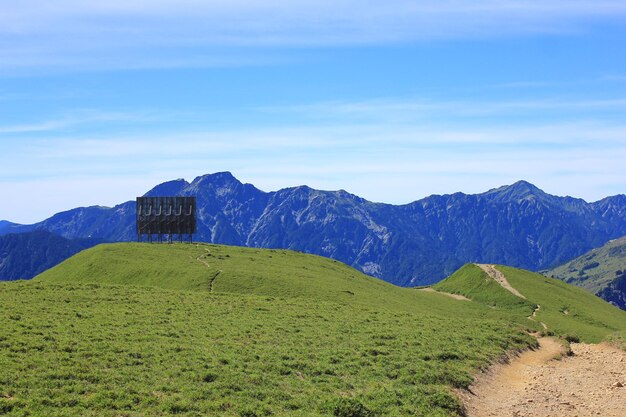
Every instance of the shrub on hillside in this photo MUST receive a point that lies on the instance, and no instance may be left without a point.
(350, 407)
(591, 266)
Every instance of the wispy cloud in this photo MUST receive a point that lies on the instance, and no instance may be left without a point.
(394, 163)
(531, 84)
(78, 118)
(191, 32)
(391, 150)
(387, 164)
(372, 115)
(416, 109)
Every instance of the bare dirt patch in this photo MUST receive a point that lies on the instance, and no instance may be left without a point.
(455, 296)
(590, 383)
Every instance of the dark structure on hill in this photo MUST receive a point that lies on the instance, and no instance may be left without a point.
(166, 216)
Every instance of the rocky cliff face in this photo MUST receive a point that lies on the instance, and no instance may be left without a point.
(413, 244)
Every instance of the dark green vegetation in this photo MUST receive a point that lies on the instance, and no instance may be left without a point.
(567, 310)
(601, 271)
(24, 255)
(413, 244)
(137, 329)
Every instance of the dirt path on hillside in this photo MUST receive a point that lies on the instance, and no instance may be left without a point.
(455, 296)
(535, 385)
(533, 317)
(500, 278)
(214, 277)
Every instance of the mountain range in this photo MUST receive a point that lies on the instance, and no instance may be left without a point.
(413, 244)
(601, 271)
(24, 255)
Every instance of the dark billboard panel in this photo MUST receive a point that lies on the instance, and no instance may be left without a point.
(166, 216)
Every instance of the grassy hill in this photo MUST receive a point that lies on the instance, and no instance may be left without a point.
(473, 283)
(565, 309)
(229, 269)
(137, 329)
(601, 271)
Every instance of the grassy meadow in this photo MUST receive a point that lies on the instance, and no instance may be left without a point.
(196, 330)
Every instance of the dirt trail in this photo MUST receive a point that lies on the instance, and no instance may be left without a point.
(586, 384)
(500, 278)
(455, 296)
(533, 317)
(212, 281)
(214, 277)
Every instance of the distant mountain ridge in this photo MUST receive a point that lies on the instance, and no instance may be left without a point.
(601, 271)
(24, 255)
(412, 244)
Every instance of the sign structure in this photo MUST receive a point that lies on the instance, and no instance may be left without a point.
(166, 216)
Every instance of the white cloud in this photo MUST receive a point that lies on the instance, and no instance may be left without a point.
(372, 118)
(411, 109)
(77, 118)
(186, 32)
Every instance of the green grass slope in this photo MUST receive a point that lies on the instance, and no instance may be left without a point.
(234, 269)
(137, 329)
(475, 284)
(601, 271)
(565, 309)
(165, 266)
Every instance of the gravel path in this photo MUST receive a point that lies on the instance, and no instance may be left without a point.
(590, 383)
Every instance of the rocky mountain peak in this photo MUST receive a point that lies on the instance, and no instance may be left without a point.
(219, 183)
(217, 178)
(516, 192)
(168, 188)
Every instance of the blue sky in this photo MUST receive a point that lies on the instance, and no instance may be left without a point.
(392, 100)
